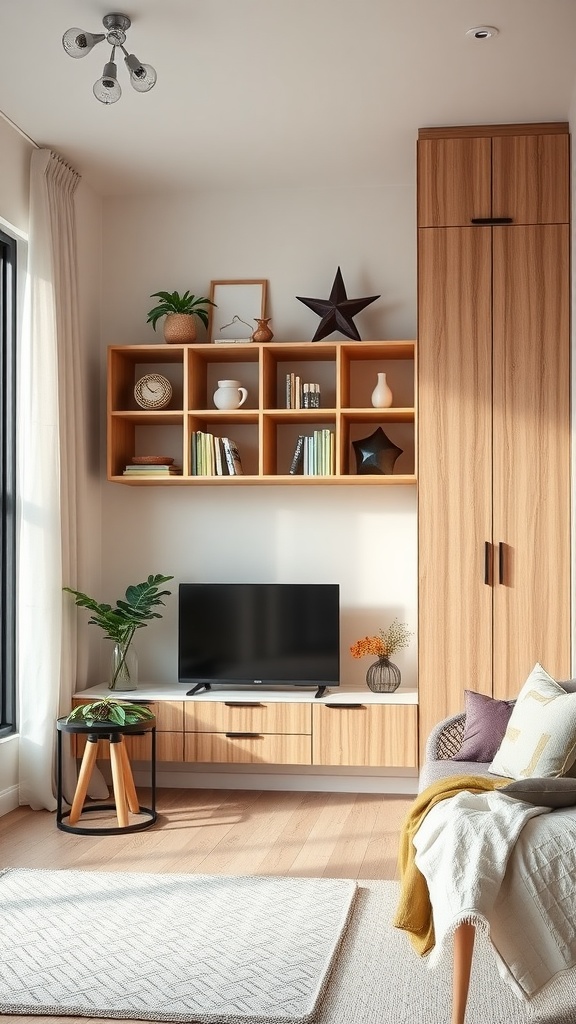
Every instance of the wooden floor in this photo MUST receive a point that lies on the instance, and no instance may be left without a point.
(235, 832)
(336, 835)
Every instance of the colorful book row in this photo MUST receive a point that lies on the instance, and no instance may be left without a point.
(214, 456)
(314, 454)
(300, 395)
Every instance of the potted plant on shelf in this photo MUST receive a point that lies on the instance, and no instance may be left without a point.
(383, 676)
(180, 312)
(120, 624)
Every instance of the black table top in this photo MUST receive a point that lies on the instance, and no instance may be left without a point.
(104, 728)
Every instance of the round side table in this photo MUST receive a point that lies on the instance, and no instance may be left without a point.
(125, 796)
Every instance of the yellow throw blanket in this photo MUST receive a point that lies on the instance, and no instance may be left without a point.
(414, 911)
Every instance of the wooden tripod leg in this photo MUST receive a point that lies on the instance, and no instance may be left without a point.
(118, 784)
(131, 794)
(88, 761)
(463, 949)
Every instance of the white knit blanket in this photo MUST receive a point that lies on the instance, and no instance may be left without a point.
(510, 868)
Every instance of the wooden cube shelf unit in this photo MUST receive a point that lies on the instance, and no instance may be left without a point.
(264, 430)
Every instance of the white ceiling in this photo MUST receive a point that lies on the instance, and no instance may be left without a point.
(280, 93)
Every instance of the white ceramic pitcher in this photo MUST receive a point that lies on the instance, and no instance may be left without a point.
(229, 394)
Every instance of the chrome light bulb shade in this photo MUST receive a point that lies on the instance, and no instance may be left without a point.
(107, 88)
(78, 43)
(142, 76)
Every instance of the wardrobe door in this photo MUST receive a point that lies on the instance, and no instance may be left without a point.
(454, 181)
(530, 178)
(531, 453)
(454, 469)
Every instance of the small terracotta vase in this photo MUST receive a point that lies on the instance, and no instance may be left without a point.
(263, 332)
(180, 328)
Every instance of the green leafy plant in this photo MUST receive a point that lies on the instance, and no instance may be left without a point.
(173, 302)
(135, 612)
(109, 710)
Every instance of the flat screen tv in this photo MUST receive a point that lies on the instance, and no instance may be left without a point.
(259, 634)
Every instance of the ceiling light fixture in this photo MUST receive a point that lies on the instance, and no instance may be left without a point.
(482, 32)
(78, 43)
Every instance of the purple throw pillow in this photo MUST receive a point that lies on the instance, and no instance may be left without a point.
(484, 728)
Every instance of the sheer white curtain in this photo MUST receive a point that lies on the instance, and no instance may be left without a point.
(50, 431)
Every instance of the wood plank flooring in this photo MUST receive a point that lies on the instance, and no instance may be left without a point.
(335, 835)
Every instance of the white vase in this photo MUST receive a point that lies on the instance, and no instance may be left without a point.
(382, 396)
(123, 668)
(229, 395)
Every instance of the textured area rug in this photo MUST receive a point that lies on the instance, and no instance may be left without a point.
(206, 948)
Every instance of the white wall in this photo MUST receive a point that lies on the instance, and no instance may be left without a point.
(363, 538)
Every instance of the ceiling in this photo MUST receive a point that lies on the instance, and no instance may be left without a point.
(280, 93)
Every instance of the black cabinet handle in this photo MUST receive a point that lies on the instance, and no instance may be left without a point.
(242, 704)
(242, 735)
(491, 220)
(501, 562)
(487, 562)
(339, 706)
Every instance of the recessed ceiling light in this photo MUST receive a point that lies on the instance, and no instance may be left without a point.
(482, 32)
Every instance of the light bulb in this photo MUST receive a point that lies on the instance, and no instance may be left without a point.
(107, 89)
(142, 76)
(78, 43)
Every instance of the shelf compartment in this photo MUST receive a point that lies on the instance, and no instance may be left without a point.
(312, 363)
(144, 434)
(127, 365)
(242, 429)
(207, 364)
(360, 365)
(400, 432)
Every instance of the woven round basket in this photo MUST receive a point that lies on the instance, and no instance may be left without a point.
(180, 328)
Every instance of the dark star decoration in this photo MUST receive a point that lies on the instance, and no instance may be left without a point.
(375, 454)
(337, 311)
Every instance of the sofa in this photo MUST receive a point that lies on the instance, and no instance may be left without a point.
(483, 727)
(446, 739)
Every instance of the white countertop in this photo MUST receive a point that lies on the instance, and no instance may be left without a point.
(242, 694)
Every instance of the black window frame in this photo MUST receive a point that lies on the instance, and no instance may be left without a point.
(8, 334)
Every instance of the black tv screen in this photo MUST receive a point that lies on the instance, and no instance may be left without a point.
(259, 634)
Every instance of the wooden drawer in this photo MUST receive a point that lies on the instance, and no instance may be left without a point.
(169, 746)
(250, 716)
(261, 748)
(374, 735)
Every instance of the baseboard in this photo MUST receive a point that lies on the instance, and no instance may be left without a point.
(314, 783)
(8, 799)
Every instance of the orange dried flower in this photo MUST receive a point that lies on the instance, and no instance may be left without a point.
(384, 643)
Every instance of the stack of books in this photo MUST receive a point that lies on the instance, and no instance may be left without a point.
(152, 470)
(300, 395)
(314, 454)
(214, 456)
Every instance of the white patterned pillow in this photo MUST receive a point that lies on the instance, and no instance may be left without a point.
(541, 736)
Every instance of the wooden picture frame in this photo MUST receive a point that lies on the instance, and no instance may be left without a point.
(238, 304)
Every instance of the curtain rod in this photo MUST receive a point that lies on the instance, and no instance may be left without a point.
(18, 129)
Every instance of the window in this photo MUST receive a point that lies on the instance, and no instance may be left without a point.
(8, 484)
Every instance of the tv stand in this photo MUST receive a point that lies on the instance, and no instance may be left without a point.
(197, 688)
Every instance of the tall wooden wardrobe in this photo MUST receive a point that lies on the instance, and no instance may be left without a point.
(493, 410)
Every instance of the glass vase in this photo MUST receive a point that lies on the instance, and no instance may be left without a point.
(123, 668)
(383, 676)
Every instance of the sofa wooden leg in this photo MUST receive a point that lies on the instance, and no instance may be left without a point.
(463, 949)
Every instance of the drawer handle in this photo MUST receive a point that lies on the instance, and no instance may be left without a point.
(492, 220)
(338, 706)
(243, 735)
(242, 704)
